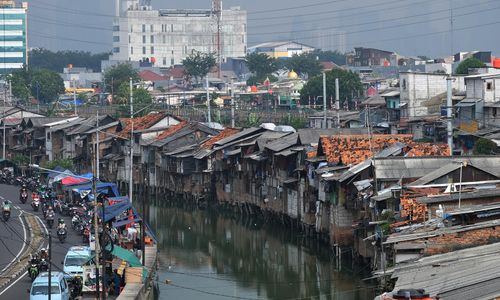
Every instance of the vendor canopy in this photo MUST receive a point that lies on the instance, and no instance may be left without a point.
(107, 188)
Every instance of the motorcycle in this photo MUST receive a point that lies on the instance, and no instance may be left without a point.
(33, 271)
(23, 197)
(6, 213)
(86, 234)
(61, 234)
(35, 204)
(43, 266)
(50, 219)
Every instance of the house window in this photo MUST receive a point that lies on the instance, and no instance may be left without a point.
(143, 27)
(152, 28)
(404, 84)
(152, 50)
(144, 39)
(116, 49)
(116, 38)
(131, 28)
(494, 112)
(116, 28)
(131, 50)
(152, 39)
(164, 61)
(172, 62)
(489, 86)
(143, 50)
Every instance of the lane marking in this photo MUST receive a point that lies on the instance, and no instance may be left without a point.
(23, 243)
(13, 283)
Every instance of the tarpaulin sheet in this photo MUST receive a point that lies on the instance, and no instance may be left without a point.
(54, 174)
(102, 187)
(114, 210)
(126, 221)
(73, 180)
(126, 255)
(65, 173)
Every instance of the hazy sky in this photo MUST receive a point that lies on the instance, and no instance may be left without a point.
(409, 27)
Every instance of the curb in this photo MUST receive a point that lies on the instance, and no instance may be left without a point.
(25, 255)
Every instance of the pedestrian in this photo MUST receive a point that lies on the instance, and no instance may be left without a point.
(117, 282)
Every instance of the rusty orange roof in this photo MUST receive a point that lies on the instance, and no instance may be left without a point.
(354, 149)
(140, 123)
(171, 130)
(428, 149)
(222, 135)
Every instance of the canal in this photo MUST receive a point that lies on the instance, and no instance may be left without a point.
(207, 255)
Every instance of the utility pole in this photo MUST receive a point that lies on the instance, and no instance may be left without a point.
(324, 101)
(232, 104)
(50, 263)
(449, 105)
(3, 121)
(208, 103)
(131, 180)
(74, 96)
(97, 143)
(337, 101)
(96, 232)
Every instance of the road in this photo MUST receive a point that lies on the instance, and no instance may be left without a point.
(14, 240)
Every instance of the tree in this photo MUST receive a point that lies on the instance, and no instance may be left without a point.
(303, 64)
(57, 61)
(20, 80)
(349, 86)
(48, 84)
(261, 65)
(484, 147)
(142, 99)
(198, 64)
(464, 66)
(65, 163)
(333, 56)
(120, 74)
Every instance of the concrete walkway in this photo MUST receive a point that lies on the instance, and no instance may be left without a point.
(133, 291)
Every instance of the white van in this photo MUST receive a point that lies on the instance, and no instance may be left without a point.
(75, 259)
(59, 289)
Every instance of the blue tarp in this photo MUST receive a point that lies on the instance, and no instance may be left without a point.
(112, 211)
(54, 174)
(119, 199)
(108, 188)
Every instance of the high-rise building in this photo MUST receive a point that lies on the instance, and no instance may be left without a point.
(165, 37)
(13, 36)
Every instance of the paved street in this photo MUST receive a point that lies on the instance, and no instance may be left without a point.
(12, 236)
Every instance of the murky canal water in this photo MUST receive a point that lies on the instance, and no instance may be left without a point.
(208, 256)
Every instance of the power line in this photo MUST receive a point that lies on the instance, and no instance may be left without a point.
(82, 26)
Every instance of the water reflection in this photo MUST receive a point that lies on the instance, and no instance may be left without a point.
(210, 256)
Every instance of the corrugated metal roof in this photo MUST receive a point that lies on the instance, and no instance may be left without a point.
(464, 195)
(282, 143)
(436, 174)
(395, 168)
(446, 275)
(239, 135)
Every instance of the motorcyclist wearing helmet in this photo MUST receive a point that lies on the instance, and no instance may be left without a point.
(61, 224)
(6, 205)
(44, 254)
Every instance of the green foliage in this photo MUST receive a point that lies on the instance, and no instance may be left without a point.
(303, 64)
(66, 163)
(27, 82)
(20, 80)
(57, 61)
(484, 147)
(51, 85)
(142, 99)
(296, 122)
(333, 56)
(261, 65)
(464, 66)
(252, 120)
(21, 160)
(349, 86)
(198, 64)
(120, 74)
